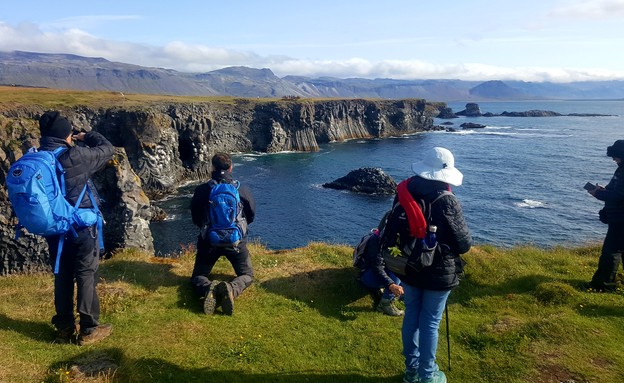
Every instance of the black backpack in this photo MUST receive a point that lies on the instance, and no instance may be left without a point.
(360, 249)
(402, 253)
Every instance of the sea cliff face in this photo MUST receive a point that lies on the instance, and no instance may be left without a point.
(161, 145)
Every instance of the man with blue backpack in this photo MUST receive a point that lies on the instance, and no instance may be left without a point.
(50, 194)
(222, 208)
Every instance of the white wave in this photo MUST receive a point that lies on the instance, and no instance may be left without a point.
(498, 127)
(511, 134)
(170, 217)
(531, 204)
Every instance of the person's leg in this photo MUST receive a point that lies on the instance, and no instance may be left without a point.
(372, 281)
(228, 291)
(369, 280)
(86, 262)
(410, 329)
(63, 320)
(204, 262)
(432, 308)
(610, 258)
(241, 262)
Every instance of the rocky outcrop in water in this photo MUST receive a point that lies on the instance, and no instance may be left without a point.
(365, 180)
(162, 145)
(472, 110)
(472, 125)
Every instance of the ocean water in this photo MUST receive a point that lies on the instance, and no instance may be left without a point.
(523, 181)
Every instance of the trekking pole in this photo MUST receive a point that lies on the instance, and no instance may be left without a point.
(448, 336)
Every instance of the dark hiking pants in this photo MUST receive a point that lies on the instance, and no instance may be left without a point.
(79, 263)
(206, 258)
(610, 258)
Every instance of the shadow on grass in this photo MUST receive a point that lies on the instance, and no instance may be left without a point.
(469, 289)
(145, 274)
(38, 331)
(113, 362)
(326, 290)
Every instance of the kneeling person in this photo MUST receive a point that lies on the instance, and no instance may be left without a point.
(222, 208)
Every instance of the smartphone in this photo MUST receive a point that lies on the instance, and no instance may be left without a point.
(590, 186)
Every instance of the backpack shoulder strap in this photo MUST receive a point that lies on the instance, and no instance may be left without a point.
(444, 193)
(59, 167)
(58, 151)
(428, 204)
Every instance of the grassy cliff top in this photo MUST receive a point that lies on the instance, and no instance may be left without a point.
(12, 97)
(518, 316)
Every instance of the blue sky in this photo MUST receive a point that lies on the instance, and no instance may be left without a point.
(530, 40)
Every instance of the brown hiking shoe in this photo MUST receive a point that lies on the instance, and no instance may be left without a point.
(226, 295)
(210, 300)
(97, 334)
(66, 335)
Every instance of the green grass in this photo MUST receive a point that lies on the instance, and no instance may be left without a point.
(519, 316)
(12, 98)
(16, 97)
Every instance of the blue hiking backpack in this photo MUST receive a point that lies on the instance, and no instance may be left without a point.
(36, 187)
(225, 222)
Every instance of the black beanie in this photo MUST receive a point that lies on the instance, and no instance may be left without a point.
(616, 150)
(52, 124)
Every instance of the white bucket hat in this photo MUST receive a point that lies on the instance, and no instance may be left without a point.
(438, 164)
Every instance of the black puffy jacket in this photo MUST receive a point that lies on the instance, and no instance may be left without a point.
(613, 197)
(80, 162)
(452, 233)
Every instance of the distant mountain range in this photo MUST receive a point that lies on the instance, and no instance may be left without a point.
(64, 71)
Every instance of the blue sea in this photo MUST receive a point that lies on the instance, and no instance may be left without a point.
(523, 181)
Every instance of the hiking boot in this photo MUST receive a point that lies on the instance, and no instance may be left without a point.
(226, 294)
(437, 377)
(95, 335)
(387, 307)
(598, 287)
(210, 300)
(411, 377)
(66, 335)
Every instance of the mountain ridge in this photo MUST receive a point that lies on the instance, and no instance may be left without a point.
(68, 71)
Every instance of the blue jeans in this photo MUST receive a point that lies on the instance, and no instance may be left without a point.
(371, 280)
(423, 312)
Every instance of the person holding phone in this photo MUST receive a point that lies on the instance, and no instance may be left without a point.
(612, 214)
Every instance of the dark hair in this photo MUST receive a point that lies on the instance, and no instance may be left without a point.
(221, 162)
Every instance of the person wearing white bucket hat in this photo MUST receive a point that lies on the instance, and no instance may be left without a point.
(426, 291)
(438, 164)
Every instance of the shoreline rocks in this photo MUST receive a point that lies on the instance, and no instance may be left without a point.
(473, 110)
(160, 146)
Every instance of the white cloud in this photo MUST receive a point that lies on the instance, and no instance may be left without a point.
(201, 58)
(590, 9)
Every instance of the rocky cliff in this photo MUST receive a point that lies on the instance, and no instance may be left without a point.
(161, 145)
